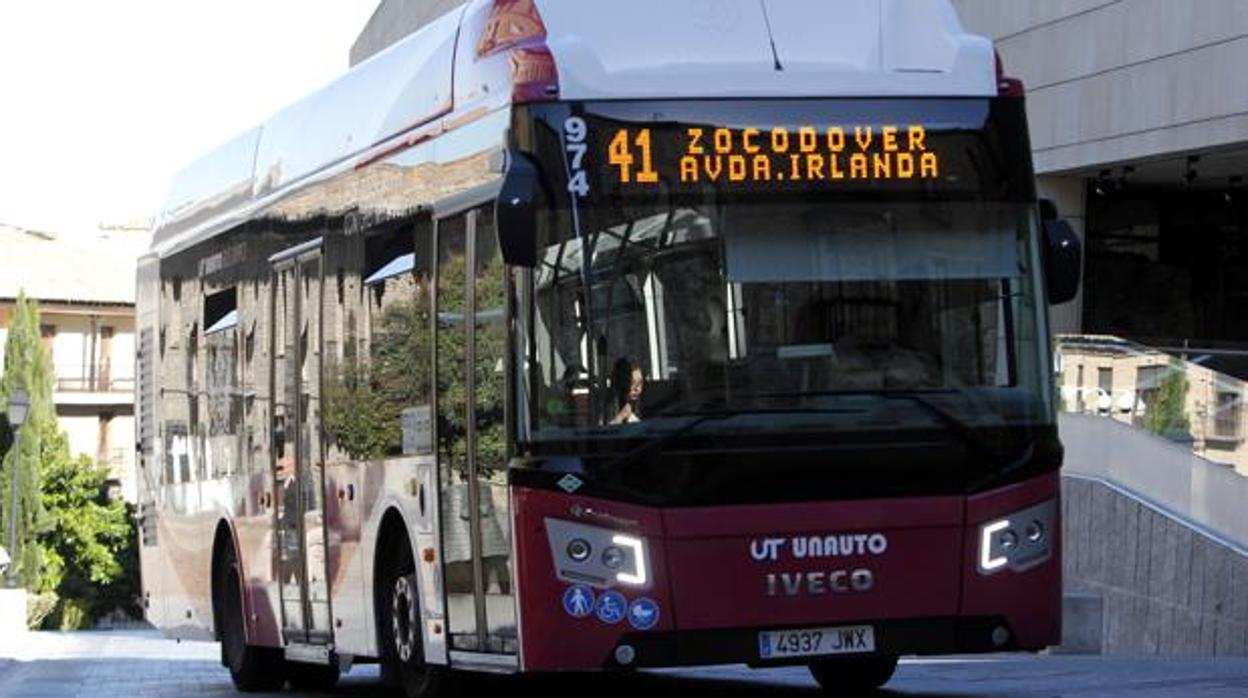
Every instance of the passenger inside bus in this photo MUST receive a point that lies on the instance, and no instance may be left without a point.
(628, 381)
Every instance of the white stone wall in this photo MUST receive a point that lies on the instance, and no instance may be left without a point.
(83, 432)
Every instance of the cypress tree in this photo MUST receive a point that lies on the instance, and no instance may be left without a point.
(1167, 416)
(27, 367)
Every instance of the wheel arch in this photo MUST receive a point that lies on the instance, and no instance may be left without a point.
(225, 546)
(391, 534)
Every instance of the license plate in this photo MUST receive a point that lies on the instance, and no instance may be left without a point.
(809, 642)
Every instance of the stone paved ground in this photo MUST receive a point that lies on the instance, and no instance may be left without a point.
(139, 664)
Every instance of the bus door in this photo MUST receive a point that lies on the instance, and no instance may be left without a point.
(471, 436)
(297, 458)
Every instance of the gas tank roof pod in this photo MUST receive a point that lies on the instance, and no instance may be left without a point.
(725, 49)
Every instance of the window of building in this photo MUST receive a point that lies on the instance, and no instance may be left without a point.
(1226, 417)
(47, 334)
(1105, 389)
(1147, 389)
(221, 383)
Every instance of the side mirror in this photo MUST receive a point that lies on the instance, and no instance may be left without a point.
(1062, 256)
(516, 211)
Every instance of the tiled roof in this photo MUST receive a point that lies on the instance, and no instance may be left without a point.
(97, 267)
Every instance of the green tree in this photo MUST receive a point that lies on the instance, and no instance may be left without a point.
(1167, 416)
(73, 542)
(90, 544)
(27, 367)
(364, 399)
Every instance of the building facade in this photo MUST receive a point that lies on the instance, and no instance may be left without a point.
(1139, 130)
(1139, 127)
(84, 285)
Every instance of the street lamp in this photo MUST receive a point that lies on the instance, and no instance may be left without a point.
(19, 405)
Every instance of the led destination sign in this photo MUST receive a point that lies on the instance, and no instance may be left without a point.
(606, 153)
(806, 154)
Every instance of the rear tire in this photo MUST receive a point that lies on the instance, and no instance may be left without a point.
(252, 668)
(311, 677)
(853, 676)
(399, 627)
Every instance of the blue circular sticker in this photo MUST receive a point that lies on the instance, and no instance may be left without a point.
(578, 601)
(643, 614)
(611, 607)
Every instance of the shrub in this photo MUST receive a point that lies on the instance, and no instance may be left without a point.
(39, 607)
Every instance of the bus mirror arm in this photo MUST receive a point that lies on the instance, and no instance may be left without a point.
(1062, 254)
(516, 211)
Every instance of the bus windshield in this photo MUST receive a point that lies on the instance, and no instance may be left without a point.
(783, 311)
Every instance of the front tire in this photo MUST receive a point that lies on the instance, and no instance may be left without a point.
(399, 628)
(853, 676)
(252, 668)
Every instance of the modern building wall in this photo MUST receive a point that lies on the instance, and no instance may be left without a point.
(1114, 81)
(395, 19)
(1161, 586)
(1139, 127)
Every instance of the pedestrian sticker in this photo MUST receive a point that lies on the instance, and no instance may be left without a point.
(578, 601)
(611, 607)
(643, 614)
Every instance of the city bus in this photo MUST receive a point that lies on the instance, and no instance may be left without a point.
(605, 336)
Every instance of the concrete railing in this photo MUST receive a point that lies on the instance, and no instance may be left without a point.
(1155, 544)
(1202, 494)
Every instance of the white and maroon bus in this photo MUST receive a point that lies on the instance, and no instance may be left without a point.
(570, 336)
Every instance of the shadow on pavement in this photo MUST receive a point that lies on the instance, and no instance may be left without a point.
(627, 685)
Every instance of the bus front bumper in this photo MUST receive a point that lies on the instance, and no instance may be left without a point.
(928, 575)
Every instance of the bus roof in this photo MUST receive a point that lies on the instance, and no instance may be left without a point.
(489, 54)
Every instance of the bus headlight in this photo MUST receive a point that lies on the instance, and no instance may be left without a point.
(638, 575)
(613, 557)
(624, 558)
(1035, 532)
(579, 549)
(1018, 541)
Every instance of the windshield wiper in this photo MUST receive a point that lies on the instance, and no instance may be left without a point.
(1003, 465)
(655, 445)
(701, 416)
(956, 425)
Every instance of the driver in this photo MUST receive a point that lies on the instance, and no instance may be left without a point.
(627, 382)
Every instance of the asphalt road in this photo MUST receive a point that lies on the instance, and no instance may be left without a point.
(137, 664)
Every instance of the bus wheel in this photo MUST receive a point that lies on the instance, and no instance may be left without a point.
(849, 676)
(251, 668)
(399, 628)
(311, 677)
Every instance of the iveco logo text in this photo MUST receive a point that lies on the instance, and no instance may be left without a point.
(802, 547)
(816, 583)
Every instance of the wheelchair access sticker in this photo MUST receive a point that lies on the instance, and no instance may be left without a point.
(611, 607)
